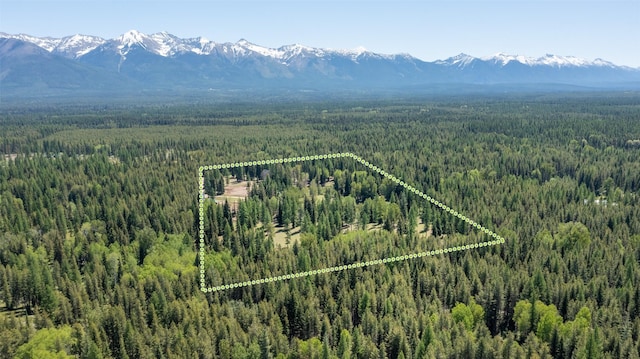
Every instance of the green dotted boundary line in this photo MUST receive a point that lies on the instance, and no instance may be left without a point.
(353, 265)
(497, 238)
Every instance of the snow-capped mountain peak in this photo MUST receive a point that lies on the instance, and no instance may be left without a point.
(165, 44)
(288, 52)
(359, 50)
(47, 43)
(245, 45)
(132, 37)
(77, 45)
(557, 61)
(354, 53)
(603, 63)
(460, 60)
(72, 46)
(550, 60)
(161, 43)
(504, 59)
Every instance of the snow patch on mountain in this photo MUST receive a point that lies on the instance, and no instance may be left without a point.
(461, 60)
(504, 59)
(47, 43)
(264, 51)
(165, 43)
(133, 38)
(297, 50)
(78, 45)
(547, 60)
(70, 46)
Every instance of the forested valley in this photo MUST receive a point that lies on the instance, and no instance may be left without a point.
(99, 229)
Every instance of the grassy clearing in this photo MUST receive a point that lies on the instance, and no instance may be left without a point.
(17, 313)
(280, 234)
(280, 237)
(234, 191)
(423, 230)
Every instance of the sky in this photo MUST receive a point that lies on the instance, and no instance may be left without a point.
(427, 29)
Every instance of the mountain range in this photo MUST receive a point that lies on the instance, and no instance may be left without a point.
(135, 61)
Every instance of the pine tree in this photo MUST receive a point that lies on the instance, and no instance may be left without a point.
(226, 212)
(145, 240)
(6, 289)
(326, 354)
(345, 344)
(265, 346)
(593, 349)
(307, 225)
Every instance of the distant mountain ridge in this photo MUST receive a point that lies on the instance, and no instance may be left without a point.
(162, 61)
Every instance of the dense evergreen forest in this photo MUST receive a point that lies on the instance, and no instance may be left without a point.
(99, 229)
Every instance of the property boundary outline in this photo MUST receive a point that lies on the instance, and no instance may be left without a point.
(497, 239)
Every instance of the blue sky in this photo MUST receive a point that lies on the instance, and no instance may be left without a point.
(427, 29)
